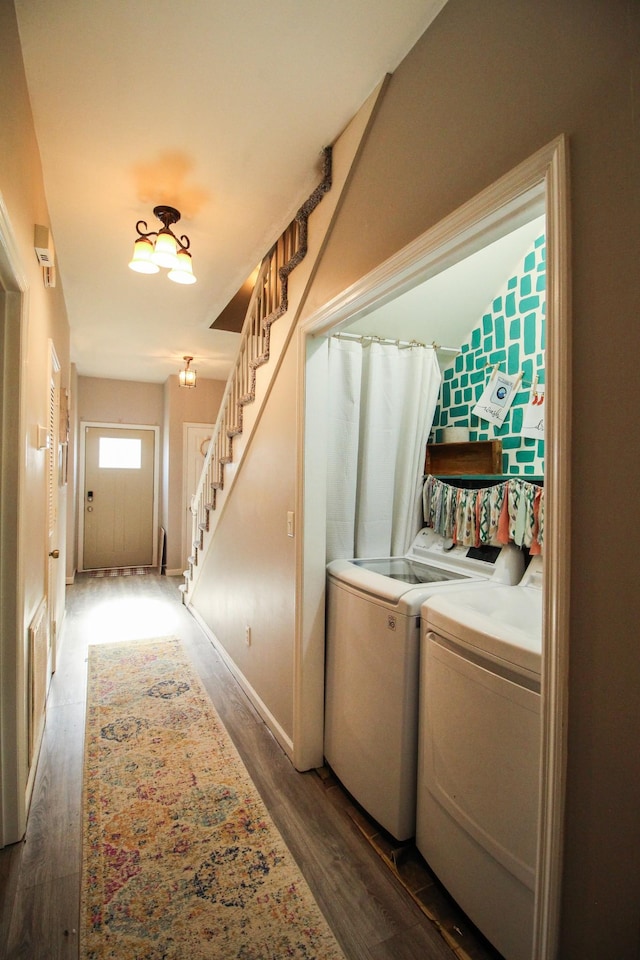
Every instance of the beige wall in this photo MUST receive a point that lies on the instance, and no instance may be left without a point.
(248, 576)
(120, 401)
(22, 192)
(44, 319)
(252, 570)
(486, 87)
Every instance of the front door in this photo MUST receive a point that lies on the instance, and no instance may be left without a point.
(118, 497)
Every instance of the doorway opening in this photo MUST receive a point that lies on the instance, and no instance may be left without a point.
(118, 520)
(537, 187)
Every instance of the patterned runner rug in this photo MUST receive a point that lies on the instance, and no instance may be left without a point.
(180, 857)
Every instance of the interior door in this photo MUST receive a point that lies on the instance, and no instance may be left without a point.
(118, 497)
(53, 506)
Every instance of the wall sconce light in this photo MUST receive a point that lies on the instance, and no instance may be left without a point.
(187, 377)
(166, 251)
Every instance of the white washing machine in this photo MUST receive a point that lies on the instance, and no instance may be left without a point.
(372, 664)
(479, 754)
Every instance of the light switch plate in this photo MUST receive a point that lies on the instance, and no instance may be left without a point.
(42, 437)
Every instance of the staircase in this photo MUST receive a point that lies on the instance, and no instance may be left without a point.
(269, 301)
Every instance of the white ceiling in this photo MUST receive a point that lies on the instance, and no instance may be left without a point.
(219, 109)
(445, 309)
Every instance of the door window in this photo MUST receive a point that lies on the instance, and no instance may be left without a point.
(116, 453)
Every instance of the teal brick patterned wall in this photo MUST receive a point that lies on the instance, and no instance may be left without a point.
(511, 333)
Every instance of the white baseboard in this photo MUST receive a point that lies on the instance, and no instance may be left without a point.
(276, 729)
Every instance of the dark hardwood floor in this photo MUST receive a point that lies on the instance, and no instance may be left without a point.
(371, 912)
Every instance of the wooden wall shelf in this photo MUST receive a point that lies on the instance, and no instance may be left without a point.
(464, 459)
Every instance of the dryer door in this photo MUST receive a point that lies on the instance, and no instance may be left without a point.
(478, 791)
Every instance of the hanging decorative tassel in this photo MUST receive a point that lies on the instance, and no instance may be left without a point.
(508, 512)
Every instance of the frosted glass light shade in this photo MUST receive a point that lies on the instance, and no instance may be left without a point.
(187, 378)
(142, 261)
(183, 272)
(166, 250)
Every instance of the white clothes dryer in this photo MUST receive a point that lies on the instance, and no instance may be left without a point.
(372, 664)
(479, 754)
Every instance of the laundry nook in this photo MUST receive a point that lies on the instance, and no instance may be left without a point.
(435, 533)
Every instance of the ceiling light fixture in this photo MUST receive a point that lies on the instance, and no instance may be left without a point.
(187, 377)
(166, 251)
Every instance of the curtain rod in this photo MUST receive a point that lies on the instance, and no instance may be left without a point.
(399, 343)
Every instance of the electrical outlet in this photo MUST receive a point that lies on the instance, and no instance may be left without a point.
(247, 635)
(290, 523)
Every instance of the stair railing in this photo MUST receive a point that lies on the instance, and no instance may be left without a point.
(269, 301)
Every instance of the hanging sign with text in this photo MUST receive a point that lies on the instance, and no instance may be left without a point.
(497, 397)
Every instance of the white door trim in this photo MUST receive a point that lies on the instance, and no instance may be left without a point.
(156, 464)
(13, 665)
(542, 182)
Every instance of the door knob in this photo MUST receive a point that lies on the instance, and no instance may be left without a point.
(55, 554)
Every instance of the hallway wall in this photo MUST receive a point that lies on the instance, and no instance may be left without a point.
(484, 88)
(248, 576)
(23, 205)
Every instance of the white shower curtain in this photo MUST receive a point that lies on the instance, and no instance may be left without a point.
(382, 398)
